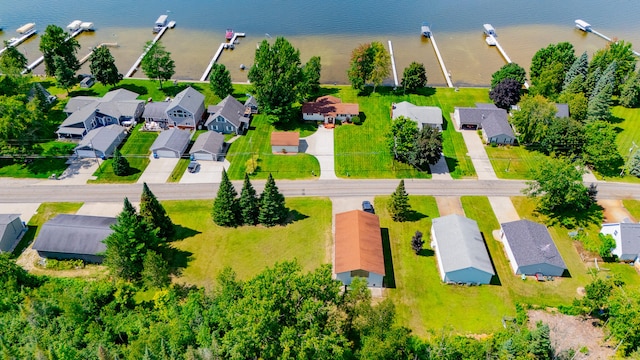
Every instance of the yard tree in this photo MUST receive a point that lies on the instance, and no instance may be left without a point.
(509, 71)
(578, 104)
(220, 81)
(599, 105)
(399, 207)
(120, 164)
(621, 53)
(591, 81)
(427, 149)
(154, 214)
(606, 82)
(54, 43)
(103, 66)
(401, 139)
(607, 243)
(225, 206)
(601, 149)
(558, 187)
(633, 165)
(276, 77)
(272, 206)
(562, 53)
(564, 137)
(630, 93)
(157, 63)
(416, 242)
(624, 316)
(381, 64)
(311, 72)
(506, 93)
(579, 67)
(65, 76)
(155, 270)
(249, 203)
(577, 85)
(370, 63)
(414, 77)
(549, 82)
(533, 118)
(18, 126)
(12, 61)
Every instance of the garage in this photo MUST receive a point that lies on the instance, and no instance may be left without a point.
(171, 143)
(209, 146)
(101, 142)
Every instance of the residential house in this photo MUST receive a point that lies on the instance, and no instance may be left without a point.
(69, 236)
(358, 248)
(228, 117)
(329, 109)
(497, 130)
(485, 116)
(563, 110)
(627, 237)
(423, 115)
(87, 82)
(11, 231)
(530, 249)
(185, 111)
(285, 142)
(101, 142)
(208, 146)
(460, 250)
(85, 113)
(171, 143)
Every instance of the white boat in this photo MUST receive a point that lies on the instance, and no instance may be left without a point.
(160, 23)
(26, 28)
(425, 30)
(489, 30)
(172, 24)
(490, 40)
(86, 26)
(583, 25)
(13, 41)
(74, 25)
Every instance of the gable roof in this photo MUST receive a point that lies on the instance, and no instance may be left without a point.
(172, 139)
(210, 142)
(419, 114)
(358, 242)
(115, 103)
(155, 110)
(475, 116)
(285, 138)
(495, 125)
(189, 99)
(252, 102)
(330, 105)
(75, 234)
(101, 138)
(460, 244)
(563, 110)
(229, 108)
(531, 243)
(629, 237)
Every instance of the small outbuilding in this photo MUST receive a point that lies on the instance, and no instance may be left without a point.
(208, 146)
(358, 248)
(460, 250)
(101, 142)
(171, 143)
(68, 236)
(627, 237)
(11, 231)
(285, 142)
(530, 249)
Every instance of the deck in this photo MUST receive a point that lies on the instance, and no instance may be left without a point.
(215, 57)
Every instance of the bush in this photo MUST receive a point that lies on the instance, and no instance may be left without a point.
(356, 120)
(54, 264)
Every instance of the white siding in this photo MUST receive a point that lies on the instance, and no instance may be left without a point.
(287, 149)
(614, 230)
(87, 153)
(374, 280)
(203, 156)
(166, 154)
(434, 245)
(456, 117)
(313, 117)
(507, 249)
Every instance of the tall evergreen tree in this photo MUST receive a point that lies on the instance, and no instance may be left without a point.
(120, 164)
(225, 206)
(272, 206)
(154, 213)
(630, 94)
(599, 105)
(416, 242)
(220, 81)
(606, 82)
(249, 203)
(591, 80)
(103, 66)
(579, 67)
(399, 207)
(155, 270)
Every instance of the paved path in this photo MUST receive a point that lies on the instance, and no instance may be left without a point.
(25, 210)
(589, 177)
(440, 171)
(78, 172)
(478, 155)
(158, 170)
(111, 209)
(210, 172)
(320, 145)
(448, 205)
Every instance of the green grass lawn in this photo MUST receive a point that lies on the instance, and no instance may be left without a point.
(250, 249)
(514, 162)
(179, 170)
(628, 122)
(633, 206)
(257, 142)
(53, 161)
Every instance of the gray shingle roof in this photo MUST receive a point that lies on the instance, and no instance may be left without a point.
(563, 110)
(531, 243)
(251, 101)
(460, 244)
(115, 103)
(189, 99)
(495, 125)
(630, 238)
(210, 142)
(475, 116)
(102, 137)
(230, 109)
(155, 110)
(172, 139)
(419, 114)
(75, 234)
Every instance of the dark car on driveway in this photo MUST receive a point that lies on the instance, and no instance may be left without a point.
(366, 206)
(193, 167)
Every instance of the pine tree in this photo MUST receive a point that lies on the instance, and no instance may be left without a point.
(633, 166)
(417, 243)
(120, 164)
(399, 207)
(155, 270)
(249, 205)
(579, 67)
(630, 94)
(154, 213)
(598, 107)
(225, 206)
(606, 82)
(220, 81)
(272, 206)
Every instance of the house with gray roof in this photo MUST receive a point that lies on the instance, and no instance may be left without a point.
(101, 142)
(171, 143)
(85, 113)
(423, 115)
(185, 111)
(530, 249)
(460, 250)
(497, 130)
(68, 236)
(227, 117)
(11, 231)
(208, 146)
(472, 118)
(251, 106)
(627, 237)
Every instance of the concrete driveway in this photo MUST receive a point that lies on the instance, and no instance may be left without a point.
(210, 172)
(78, 172)
(614, 211)
(320, 145)
(25, 210)
(111, 209)
(478, 155)
(448, 205)
(440, 170)
(504, 209)
(158, 170)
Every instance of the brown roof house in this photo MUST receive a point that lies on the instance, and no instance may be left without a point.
(285, 142)
(358, 248)
(329, 109)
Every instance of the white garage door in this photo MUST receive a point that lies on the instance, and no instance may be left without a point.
(86, 153)
(166, 154)
(202, 156)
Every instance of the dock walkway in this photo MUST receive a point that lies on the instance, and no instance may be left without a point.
(588, 29)
(445, 72)
(146, 50)
(39, 60)
(503, 53)
(393, 65)
(20, 40)
(86, 57)
(218, 53)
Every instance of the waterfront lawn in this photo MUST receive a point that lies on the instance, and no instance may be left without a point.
(54, 161)
(628, 123)
(257, 142)
(514, 162)
(136, 151)
(361, 150)
(249, 249)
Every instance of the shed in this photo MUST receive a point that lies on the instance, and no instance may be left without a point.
(358, 248)
(171, 143)
(208, 146)
(87, 82)
(68, 236)
(460, 249)
(11, 230)
(285, 142)
(101, 142)
(627, 237)
(530, 249)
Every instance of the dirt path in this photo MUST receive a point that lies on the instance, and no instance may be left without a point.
(614, 211)
(448, 205)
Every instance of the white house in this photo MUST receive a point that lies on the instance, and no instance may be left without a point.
(285, 142)
(627, 237)
(423, 115)
(329, 109)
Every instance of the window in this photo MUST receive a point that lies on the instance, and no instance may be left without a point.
(360, 273)
(615, 232)
(229, 128)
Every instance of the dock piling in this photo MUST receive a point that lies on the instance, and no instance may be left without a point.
(586, 27)
(393, 64)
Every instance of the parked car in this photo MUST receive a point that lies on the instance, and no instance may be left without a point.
(366, 206)
(193, 167)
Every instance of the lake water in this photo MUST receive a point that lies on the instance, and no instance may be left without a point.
(331, 29)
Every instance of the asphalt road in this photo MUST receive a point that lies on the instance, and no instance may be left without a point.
(37, 191)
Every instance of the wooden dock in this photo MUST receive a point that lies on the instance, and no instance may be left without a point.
(503, 53)
(393, 65)
(39, 60)
(215, 57)
(20, 40)
(445, 72)
(86, 57)
(146, 50)
(588, 29)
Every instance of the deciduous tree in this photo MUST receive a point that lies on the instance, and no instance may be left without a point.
(57, 42)
(225, 206)
(381, 64)
(416, 242)
(622, 53)
(414, 77)
(562, 53)
(401, 139)
(578, 104)
(427, 149)
(249, 203)
(65, 76)
(558, 187)
(564, 137)
(272, 205)
(120, 164)
(311, 72)
(549, 82)
(506, 93)
(601, 149)
(369, 63)
(154, 214)
(155, 270)
(399, 207)
(220, 81)
(509, 71)
(12, 61)
(157, 63)
(103, 66)
(534, 117)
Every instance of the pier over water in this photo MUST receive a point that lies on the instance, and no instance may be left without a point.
(215, 57)
(146, 50)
